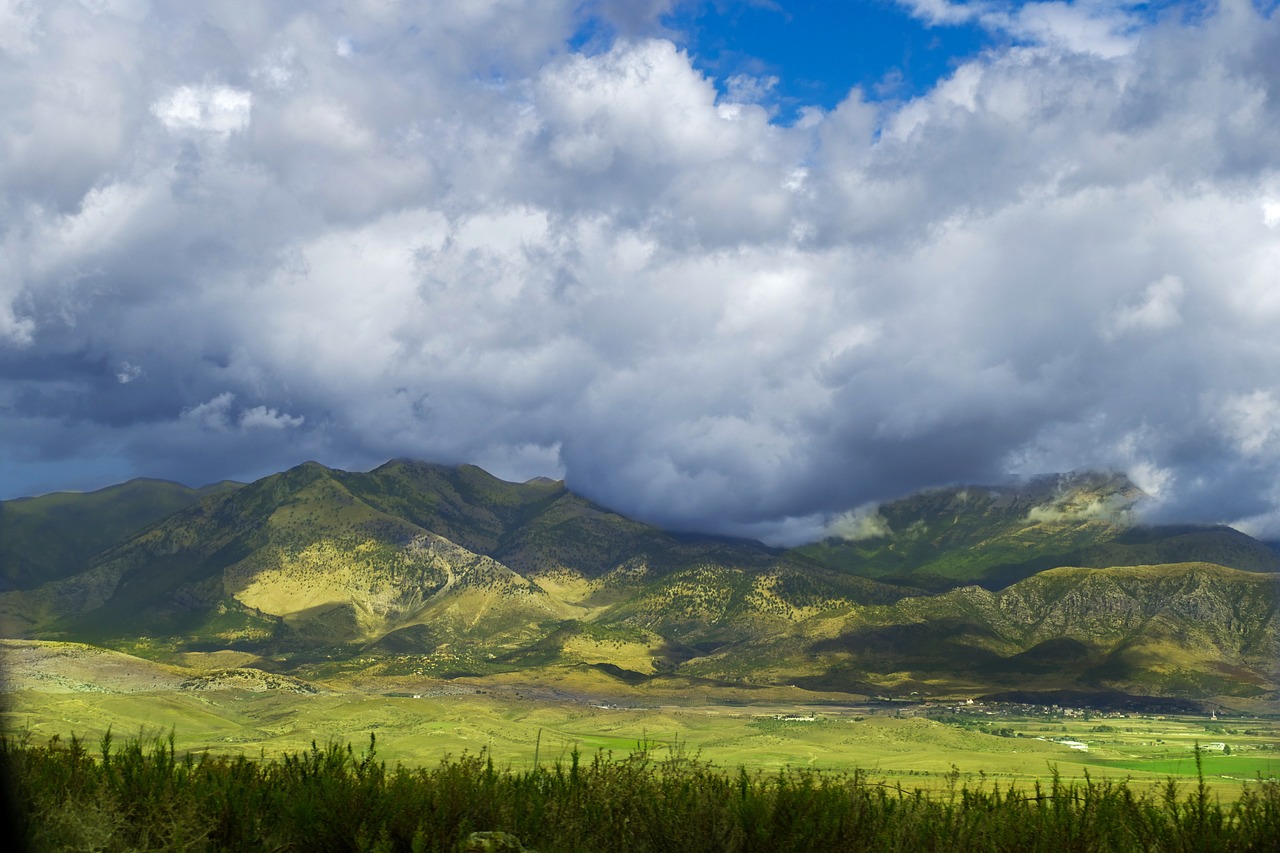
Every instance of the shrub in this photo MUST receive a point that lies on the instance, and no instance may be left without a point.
(335, 798)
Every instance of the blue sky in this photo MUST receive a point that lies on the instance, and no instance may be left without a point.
(818, 51)
(953, 243)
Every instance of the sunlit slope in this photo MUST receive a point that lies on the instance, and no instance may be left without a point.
(995, 536)
(78, 668)
(1188, 629)
(53, 536)
(709, 604)
(414, 559)
(292, 560)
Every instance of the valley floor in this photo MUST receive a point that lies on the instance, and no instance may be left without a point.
(56, 690)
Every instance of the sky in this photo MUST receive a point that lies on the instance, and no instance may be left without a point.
(724, 266)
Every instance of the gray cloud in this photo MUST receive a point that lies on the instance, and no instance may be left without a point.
(238, 236)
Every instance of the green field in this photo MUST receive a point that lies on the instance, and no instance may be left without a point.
(1224, 766)
(895, 746)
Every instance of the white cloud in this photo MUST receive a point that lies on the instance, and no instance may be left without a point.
(1252, 421)
(749, 88)
(213, 414)
(865, 522)
(1158, 310)
(641, 100)
(18, 21)
(1101, 28)
(1154, 481)
(219, 110)
(261, 417)
(944, 12)
(1271, 213)
(467, 242)
(316, 121)
(15, 330)
(218, 415)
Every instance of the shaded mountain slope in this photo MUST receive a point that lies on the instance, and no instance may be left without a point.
(538, 527)
(52, 536)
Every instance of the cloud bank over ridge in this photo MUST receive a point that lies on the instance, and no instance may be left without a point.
(235, 236)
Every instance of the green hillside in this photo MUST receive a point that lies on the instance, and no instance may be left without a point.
(995, 536)
(50, 537)
(535, 527)
(1186, 629)
(419, 570)
(418, 559)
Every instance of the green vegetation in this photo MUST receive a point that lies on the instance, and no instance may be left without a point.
(517, 717)
(419, 569)
(943, 538)
(335, 798)
(452, 612)
(52, 536)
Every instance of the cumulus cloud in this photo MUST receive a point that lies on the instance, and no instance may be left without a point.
(865, 522)
(1271, 213)
(1093, 26)
(238, 236)
(1158, 309)
(216, 109)
(264, 418)
(214, 414)
(218, 415)
(1251, 421)
(749, 88)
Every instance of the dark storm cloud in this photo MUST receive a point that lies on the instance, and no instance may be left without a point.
(237, 236)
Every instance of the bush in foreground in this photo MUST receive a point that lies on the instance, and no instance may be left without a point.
(333, 798)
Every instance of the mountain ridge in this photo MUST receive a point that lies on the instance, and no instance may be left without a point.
(447, 570)
(995, 536)
(44, 535)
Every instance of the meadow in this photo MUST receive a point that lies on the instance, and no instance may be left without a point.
(918, 745)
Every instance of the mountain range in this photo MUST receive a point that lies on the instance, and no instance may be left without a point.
(415, 569)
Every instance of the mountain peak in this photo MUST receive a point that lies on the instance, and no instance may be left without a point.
(1080, 495)
(996, 535)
